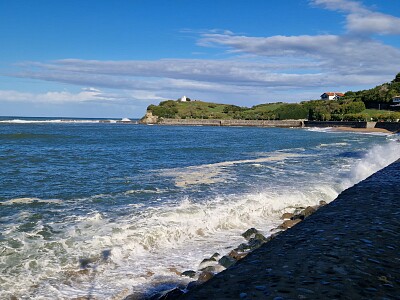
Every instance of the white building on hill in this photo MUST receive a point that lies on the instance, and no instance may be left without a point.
(182, 99)
(331, 96)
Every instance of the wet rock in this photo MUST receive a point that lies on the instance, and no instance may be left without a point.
(289, 223)
(189, 273)
(260, 237)
(243, 247)
(286, 216)
(172, 294)
(226, 261)
(214, 269)
(215, 255)
(243, 295)
(308, 211)
(205, 276)
(237, 255)
(255, 243)
(322, 203)
(207, 262)
(249, 233)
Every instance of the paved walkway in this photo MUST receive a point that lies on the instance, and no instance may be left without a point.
(349, 249)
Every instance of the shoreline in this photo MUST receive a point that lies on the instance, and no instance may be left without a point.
(356, 126)
(362, 130)
(346, 249)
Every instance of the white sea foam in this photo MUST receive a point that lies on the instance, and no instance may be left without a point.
(29, 200)
(215, 173)
(375, 159)
(24, 121)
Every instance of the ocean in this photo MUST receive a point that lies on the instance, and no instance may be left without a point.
(105, 210)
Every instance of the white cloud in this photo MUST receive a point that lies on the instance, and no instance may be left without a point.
(374, 23)
(54, 97)
(360, 19)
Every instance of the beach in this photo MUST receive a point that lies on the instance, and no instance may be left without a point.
(363, 130)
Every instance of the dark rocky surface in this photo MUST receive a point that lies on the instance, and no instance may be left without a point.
(349, 249)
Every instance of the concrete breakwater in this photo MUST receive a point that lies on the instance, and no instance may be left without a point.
(347, 249)
(390, 126)
(217, 122)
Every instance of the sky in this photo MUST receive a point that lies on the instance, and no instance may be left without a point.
(113, 58)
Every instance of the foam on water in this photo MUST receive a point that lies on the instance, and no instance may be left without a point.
(25, 121)
(29, 201)
(146, 246)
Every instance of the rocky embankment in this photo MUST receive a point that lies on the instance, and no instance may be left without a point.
(217, 263)
(348, 249)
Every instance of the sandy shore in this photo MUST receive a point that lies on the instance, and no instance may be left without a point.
(364, 130)
(346, 250)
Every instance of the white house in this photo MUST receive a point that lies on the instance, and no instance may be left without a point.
(182, 99)
(331, 96)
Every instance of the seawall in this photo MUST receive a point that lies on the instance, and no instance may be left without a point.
(390, 126)
(348, 249)
(217, 122)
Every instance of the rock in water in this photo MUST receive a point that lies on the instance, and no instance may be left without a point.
(189, 273)
(172, 294)
(287, 216)
(249, 233)
(205, 276)
(226, 261)
(289, 223)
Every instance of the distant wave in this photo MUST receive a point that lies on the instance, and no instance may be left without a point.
(21, 121)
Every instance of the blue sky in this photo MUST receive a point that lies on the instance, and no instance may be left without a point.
(105, 58)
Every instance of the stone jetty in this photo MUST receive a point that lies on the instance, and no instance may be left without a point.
(348, 249)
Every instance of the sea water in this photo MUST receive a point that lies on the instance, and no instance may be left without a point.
(106, 210)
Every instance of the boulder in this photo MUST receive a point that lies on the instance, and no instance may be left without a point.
(207, 262)
(243, 247)
(189, 273)
(172, 294)
(237, 255)
(205, 276)
(286, 216)
(308, 211)
(226, 261)
(322, 203)
(249, 233)
(289, 223)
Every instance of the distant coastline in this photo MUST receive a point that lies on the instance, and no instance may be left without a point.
(389, 127)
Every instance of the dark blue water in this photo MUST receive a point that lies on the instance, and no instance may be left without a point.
(155, 197)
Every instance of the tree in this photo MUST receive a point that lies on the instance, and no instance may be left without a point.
(397, 78)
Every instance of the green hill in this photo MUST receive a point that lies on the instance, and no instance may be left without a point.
(353, 106)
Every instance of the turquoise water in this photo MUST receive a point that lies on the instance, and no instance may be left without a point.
(138, 202)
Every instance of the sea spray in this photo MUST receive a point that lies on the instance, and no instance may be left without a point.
(374, 160)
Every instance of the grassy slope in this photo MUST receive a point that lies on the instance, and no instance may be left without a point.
(216, 110)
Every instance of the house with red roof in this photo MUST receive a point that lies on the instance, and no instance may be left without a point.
(331, 96)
